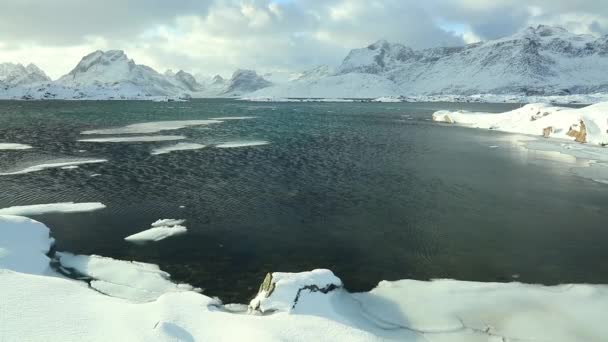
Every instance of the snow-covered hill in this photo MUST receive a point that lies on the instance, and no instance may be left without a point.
(535, 61)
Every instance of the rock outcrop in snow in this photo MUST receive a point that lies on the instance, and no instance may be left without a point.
(282, 291)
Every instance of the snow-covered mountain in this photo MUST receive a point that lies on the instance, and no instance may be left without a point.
(185, 80)
(15, 75)
(113, 70)
(243, 82)
(543, 60)
(539, 61)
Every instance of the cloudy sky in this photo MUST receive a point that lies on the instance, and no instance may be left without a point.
(218, 36)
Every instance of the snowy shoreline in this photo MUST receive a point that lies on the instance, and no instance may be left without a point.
(134, 301)
(579, 99)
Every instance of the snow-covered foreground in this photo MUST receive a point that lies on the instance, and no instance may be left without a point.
(584, 125)
(38, 304)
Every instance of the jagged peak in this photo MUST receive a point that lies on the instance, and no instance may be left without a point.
(380, 44)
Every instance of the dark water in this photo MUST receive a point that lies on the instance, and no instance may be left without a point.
(371, 191)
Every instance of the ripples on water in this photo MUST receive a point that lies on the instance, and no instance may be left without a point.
(372, 191)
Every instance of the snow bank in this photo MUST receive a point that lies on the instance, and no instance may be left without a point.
(242, 144)
(12, 146)
(509, 311)
(39, 209)
(143, 138)
(24, 244)
(588, 124)
(136, 281)
(144, 305)
(177, 147)
(151, 127)
(53, 165)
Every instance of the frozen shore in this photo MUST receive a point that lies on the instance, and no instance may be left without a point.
(132, 301)
(583, 125)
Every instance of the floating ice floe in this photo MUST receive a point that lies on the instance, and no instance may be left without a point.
(53, 165)
(242, 144)
(167, 222)
(143, 138)
(64, 207)
(12, 146)
(151, 127)
(159, 230)
(177, 147)
(157, 234)
(135, 281)
(585, 125)
(235, 118)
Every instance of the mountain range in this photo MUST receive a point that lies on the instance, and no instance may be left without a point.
(541, 60)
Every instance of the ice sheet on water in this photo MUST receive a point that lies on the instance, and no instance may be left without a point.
(141, 138)
(151, 127)
(234, 144)
(235, 118)
(13, 146)
(136, 281)
(157, 234)
(64, 207)
(167, 222)
(177, 147)
(53, 165)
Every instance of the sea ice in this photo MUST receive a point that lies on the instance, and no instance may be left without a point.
(11, 146)
(39, 209)
(53, 165)
(241, 144)
(135, 281)
(151, 127)
(177, 147)
(157, 234)
(234, 118)
(167, 222)
(141, 138)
